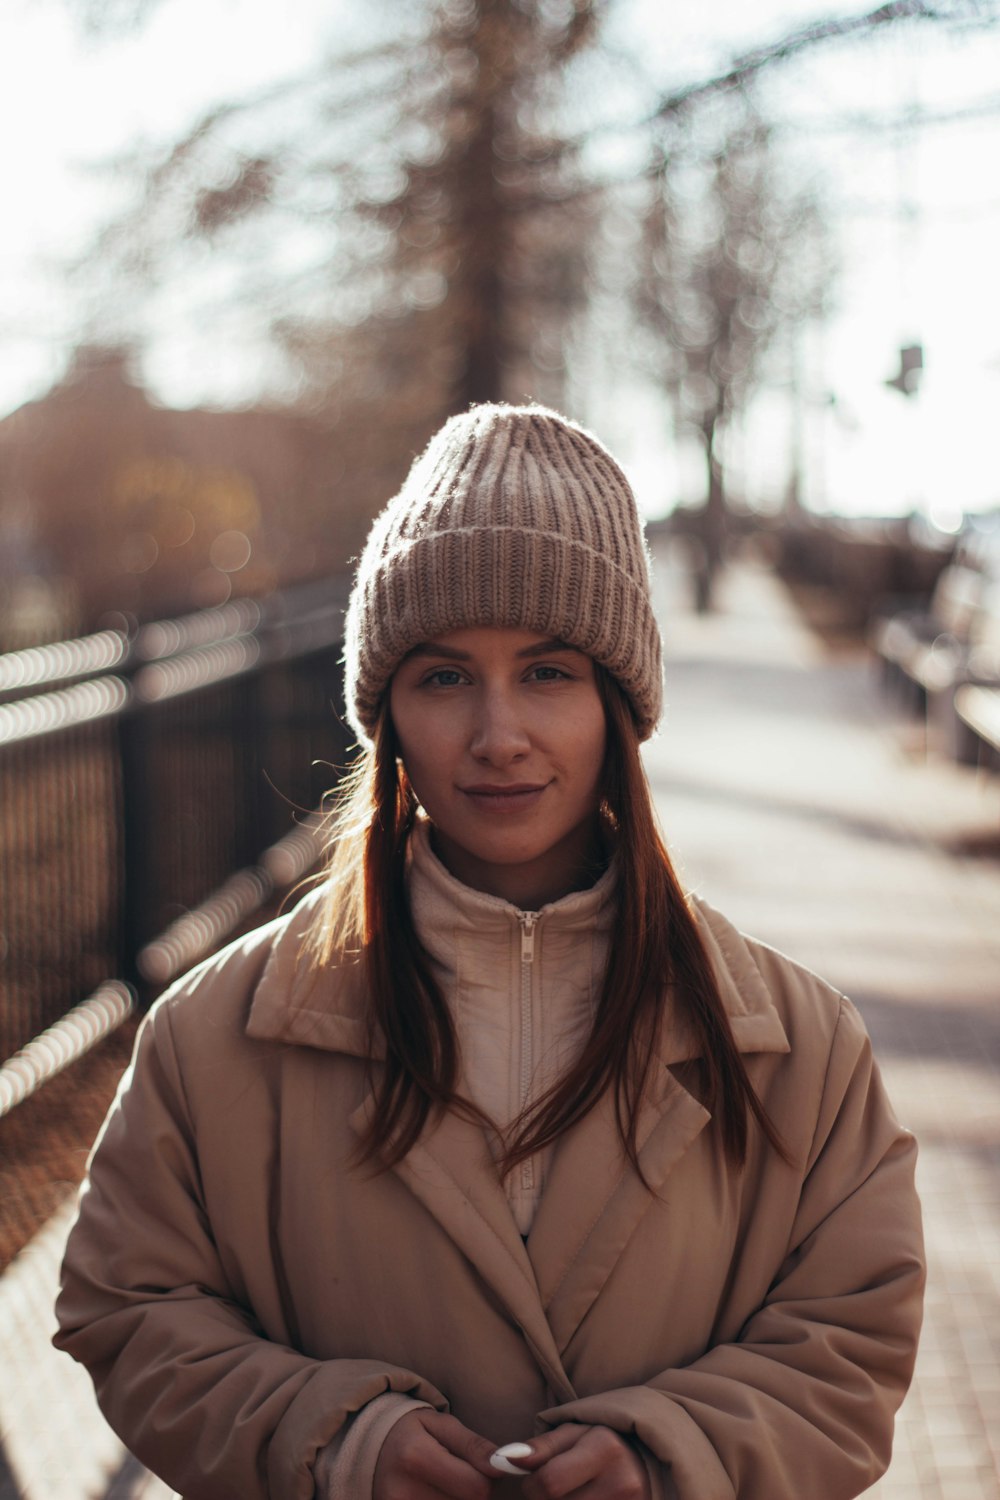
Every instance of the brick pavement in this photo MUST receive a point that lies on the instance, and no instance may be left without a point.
(791, 802)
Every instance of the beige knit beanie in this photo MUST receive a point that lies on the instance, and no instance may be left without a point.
(512, 516)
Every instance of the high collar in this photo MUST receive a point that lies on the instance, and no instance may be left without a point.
(443, 906)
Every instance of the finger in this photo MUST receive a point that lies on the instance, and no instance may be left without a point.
(540, 1450)
(565, 1474)
(444, 1474)
(601, 1461)
(461, 1442)
(414, 1465)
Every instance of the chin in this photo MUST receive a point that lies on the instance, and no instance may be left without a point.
(508, 855)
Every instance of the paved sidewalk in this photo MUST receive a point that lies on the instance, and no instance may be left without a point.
(791, 802)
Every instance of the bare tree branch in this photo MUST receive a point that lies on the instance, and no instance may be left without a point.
(748, 65)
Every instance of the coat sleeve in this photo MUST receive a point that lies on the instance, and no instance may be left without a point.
(802, 1401)
(182, 1370)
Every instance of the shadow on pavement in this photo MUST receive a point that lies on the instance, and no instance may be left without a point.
(127, 1483)
(841, 821)
(8, 1487)
(962, 1034)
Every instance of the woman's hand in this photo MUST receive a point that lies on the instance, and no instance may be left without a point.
(593, 1463)
(429, 1455)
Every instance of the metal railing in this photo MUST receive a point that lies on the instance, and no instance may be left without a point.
(155, 792)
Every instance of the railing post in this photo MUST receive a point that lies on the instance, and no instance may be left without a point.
(138, 897)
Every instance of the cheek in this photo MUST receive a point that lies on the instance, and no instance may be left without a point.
(408, 720)
(590, 746)
(423, 749)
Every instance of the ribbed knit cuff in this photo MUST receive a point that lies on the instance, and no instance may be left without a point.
(345, 1468)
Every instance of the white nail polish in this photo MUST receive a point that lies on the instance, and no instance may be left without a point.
(501, 1459)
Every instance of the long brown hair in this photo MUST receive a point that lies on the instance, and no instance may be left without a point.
(656, 957)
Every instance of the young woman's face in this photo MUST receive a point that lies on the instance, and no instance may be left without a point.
(502, 733)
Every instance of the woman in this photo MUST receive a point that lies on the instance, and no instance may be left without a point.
(498, 1139)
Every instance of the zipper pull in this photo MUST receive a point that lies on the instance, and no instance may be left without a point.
(528, 920)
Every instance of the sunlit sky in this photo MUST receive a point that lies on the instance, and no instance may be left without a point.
(916, 214)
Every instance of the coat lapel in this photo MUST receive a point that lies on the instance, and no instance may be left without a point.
(594, 1199)
(451, 1171)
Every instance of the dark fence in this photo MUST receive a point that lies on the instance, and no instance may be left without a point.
(154, 793)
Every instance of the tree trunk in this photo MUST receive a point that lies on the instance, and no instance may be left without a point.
(712, 538)
(482, 241)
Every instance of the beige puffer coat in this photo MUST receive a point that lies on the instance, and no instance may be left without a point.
(238, 1290)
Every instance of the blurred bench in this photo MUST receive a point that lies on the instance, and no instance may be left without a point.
(918, 645)
(929, 655)
(979, 710)
(850, 568)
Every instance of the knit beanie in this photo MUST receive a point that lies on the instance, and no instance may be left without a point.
(512, 516)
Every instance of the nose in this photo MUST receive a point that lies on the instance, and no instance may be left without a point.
(499, 734)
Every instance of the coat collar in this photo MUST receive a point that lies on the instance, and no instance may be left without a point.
(296, 1001)
(300, 1002)
(752, 1014)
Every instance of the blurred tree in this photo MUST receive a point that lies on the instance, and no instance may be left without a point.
(731, 253)
(484, 225)
(410, 225)
(409, 220)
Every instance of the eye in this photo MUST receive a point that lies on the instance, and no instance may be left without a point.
(442, 677)
(547, 673)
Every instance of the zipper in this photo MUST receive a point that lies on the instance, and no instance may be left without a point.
(528, 921)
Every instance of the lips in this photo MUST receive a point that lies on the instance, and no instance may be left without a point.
(504, 799)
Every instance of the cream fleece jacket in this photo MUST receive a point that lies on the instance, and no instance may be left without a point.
(522, 988)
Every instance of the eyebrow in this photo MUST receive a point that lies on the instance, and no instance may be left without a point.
(553, 644)
(452, 653)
